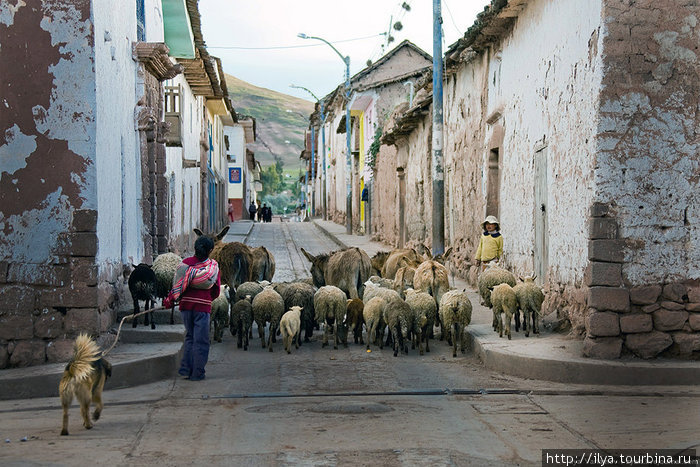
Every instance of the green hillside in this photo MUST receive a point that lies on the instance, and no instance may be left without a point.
(279, 118)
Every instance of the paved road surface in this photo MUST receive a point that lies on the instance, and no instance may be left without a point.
(346, 407)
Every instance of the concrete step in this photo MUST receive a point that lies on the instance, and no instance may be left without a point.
(132, 365)
(145, 335)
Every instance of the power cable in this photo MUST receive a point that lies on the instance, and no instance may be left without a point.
(451, 17)
(293, 46)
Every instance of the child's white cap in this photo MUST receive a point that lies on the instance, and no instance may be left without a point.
(490, 220)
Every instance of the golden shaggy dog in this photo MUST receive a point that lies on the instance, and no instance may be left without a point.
(84, 377)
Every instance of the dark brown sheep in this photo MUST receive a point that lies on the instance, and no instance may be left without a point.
(354, 319)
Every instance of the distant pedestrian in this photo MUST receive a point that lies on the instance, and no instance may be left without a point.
(196, 283)
(490, 244)
(230, 211)
(260, 212)
(252, 210)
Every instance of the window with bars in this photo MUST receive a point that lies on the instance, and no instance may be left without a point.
(173, 115)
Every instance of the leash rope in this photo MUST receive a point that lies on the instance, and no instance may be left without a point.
(119, 330)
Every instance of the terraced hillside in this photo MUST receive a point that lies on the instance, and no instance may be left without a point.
(279, 118)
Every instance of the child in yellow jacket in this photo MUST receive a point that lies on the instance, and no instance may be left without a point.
(490, 244)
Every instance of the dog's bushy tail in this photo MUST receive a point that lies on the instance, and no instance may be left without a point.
(85, 352)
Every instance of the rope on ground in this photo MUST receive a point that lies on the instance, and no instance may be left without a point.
(119, 330)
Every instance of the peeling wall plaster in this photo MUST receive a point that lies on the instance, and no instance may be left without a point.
(47, 131)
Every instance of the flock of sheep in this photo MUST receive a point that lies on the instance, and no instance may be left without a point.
(400, 293)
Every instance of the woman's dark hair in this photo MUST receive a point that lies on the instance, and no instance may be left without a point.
(202, 247)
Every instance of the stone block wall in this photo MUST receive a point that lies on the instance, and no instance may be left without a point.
(645, 321)
(58, 300)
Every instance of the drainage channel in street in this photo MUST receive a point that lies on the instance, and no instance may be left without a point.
(449, 392)
(407, 393)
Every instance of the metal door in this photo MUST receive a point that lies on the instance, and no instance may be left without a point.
(541, 250)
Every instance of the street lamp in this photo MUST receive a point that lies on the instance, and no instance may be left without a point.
(348, 158)
(313, 153)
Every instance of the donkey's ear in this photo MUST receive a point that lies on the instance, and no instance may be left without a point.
(308, 255)
(222, 234)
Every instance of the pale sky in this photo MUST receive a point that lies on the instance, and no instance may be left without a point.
(354, 28)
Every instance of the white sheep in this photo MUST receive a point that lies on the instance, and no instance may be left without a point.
(290, 325)
(219, 313)
(530, 298)
(424, 314)
(373, 290)
(504, 302)
(299, 293)
(455, 315)
(491, 277)
(382, 282)
(164, 267)
(399, 319)
(374, 320)
(330, 304)
(268, 307)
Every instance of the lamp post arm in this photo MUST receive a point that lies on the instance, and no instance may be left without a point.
(305, 89)
(344, 58)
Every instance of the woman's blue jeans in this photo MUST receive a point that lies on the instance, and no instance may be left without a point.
(196, 351)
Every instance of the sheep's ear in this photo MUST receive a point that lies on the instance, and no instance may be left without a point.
(223, 233)
(308, 255)
(133, 265)
(198, 232)
(490, 288)
(534, 276)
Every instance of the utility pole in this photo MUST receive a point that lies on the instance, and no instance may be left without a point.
(313, 148)
(437, 169)
(323, 159)
(348, 165)
(310, 209)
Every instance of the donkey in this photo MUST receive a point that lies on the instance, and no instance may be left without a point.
(235, 259)
(346, 269)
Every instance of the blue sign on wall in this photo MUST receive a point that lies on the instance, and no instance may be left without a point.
(234, 175)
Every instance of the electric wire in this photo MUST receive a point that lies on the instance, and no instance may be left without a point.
(293, 46)
(449, 12)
